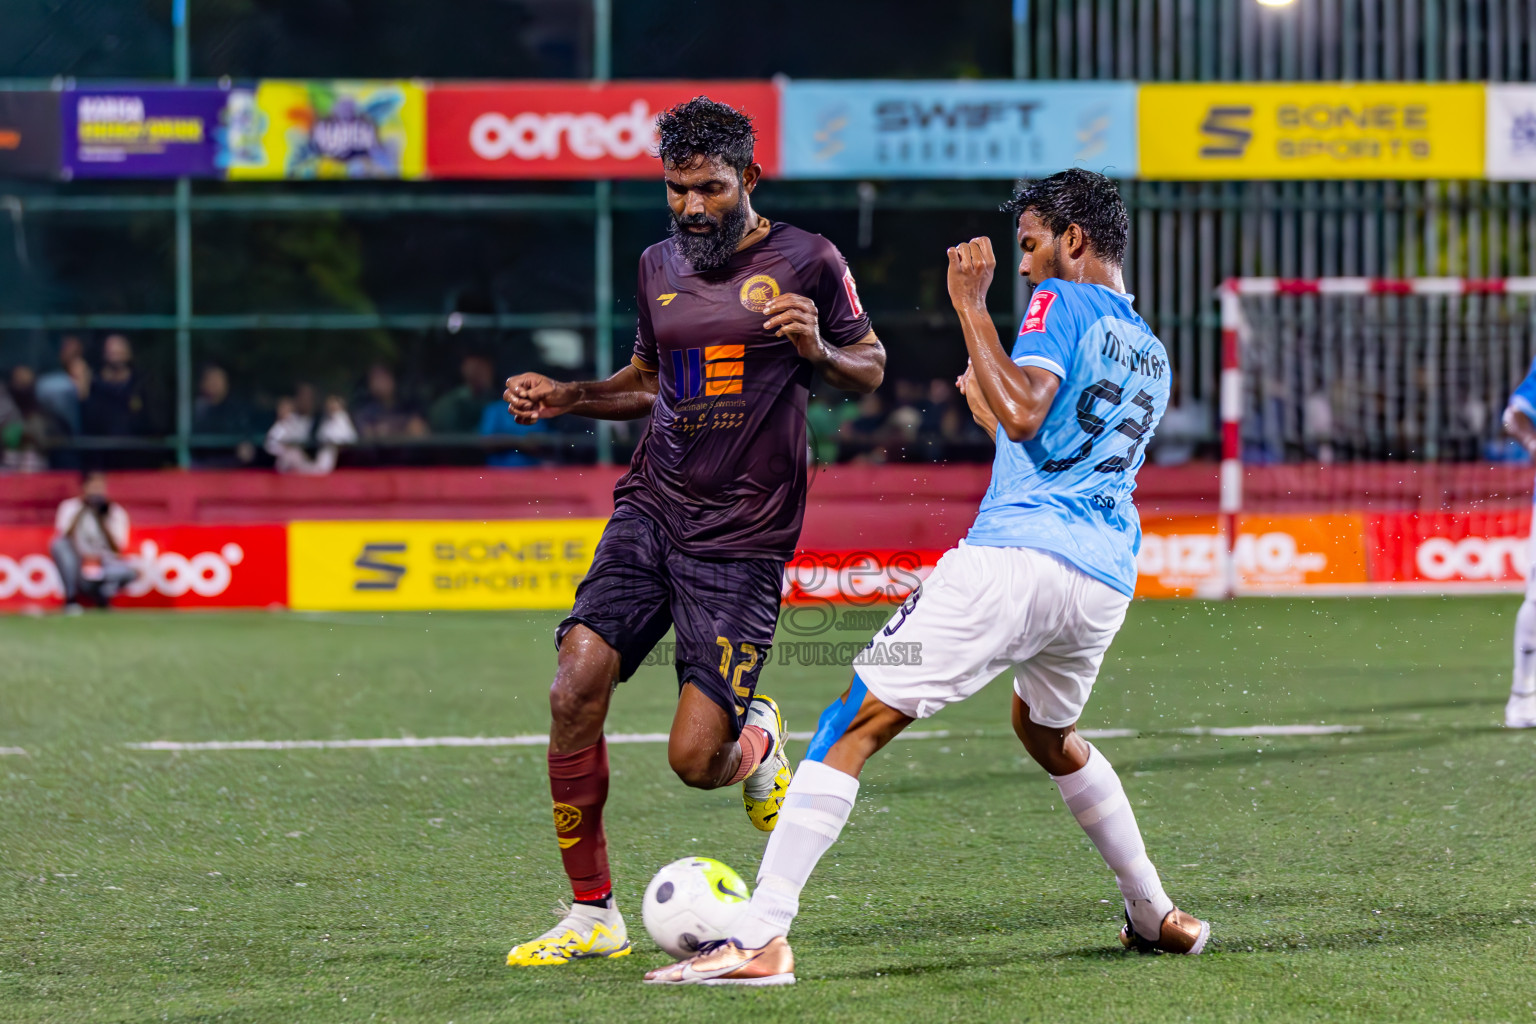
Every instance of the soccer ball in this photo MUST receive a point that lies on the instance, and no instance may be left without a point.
(693, 901)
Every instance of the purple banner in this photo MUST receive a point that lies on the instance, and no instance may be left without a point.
(143, 133)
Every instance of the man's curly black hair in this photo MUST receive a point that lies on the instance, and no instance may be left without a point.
(702, 127)
(1085, 198)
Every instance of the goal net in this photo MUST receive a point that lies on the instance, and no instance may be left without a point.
(1362, 442)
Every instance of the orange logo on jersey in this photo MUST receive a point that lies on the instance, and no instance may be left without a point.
(757, 291)
(711, 370)
(666, 298)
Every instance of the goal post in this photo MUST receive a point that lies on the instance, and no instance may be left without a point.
(1345, 399)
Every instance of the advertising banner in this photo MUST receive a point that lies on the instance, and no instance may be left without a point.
(874, 577)
(574, 130)
(1451, 550)
(1181, 556)
(1511, 132)
(998, 129)
(306, 130)
(29, 135)
(179, 567)
(421, 566)
(1184, 556)
(1314, 130)
(146, 133)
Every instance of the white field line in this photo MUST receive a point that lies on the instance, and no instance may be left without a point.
(12, 751)
(540, 739)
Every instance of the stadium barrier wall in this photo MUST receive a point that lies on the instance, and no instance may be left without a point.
(404, 565)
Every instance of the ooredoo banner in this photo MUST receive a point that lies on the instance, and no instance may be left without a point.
(566, 130)
(1451, 550)
(957, 129)
(178, 566)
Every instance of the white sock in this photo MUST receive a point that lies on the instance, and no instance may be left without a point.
(815, 810)
(1525, 650)
(1097, 800)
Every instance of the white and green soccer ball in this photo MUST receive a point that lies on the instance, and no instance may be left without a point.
(693, 901)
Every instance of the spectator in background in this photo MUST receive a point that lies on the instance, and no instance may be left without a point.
(294, 431)
(59, 390)
(89, 541)
(383, 414)
(863, 435)
(460, 410)
(116, 406)
(523, 440)
(34, 431)
(825, 416)
(215, 412)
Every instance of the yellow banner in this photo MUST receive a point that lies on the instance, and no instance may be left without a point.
(1316, 130)
(430, 566)
(322, 129)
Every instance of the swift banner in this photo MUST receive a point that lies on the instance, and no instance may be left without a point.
(957, 129)
(422, 566)
(306, 130)
(1511, 132)
(566, 130)
(1332, 130)
(29, 135)
(146, 133)
(179, 567)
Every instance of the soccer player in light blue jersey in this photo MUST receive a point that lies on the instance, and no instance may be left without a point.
(1039, 585)
(1520, 711)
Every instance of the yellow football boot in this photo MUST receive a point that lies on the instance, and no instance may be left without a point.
(763, 791)
(585, 933)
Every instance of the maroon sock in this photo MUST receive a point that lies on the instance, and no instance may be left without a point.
(579, 784)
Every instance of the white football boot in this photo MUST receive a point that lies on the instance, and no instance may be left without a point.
(1520, 712)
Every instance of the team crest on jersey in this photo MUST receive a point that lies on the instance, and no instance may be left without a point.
(1039, 306)
(757, 291)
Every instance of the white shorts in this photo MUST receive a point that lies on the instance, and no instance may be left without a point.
(984, 609)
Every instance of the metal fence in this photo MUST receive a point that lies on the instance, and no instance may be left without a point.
(1187, 237)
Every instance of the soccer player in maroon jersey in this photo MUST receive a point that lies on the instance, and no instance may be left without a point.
(736, 313)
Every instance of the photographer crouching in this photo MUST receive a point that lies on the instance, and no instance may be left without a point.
(91, 534)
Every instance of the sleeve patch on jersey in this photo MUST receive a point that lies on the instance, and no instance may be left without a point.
(1039, 306)
(853, 293)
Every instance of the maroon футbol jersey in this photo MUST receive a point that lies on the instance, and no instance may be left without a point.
(721, 464)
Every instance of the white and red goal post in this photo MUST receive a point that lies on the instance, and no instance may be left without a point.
(1362, 449)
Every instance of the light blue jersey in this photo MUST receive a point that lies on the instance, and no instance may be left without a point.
(1068, 491)
(1524, 398)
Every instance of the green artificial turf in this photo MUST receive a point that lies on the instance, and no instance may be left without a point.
(1388, 874)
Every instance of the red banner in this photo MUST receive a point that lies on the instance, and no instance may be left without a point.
(179, 566)
(1449, 547)
(565, 130)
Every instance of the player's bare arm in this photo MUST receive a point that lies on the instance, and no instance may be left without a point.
(627, 395)
(1019, 396)
(981, 412)
(858, 367)
(1518, 425)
